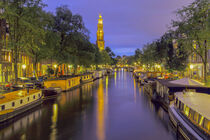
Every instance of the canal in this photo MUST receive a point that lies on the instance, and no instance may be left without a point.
(112, 108)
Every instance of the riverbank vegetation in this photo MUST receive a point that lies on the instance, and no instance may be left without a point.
(61, 37)
(187, 40)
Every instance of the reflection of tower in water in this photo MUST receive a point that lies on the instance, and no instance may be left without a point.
(101, 111)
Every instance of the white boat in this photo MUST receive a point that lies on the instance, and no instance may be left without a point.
(190, 114)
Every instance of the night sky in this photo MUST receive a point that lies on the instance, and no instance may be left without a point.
(128, 24)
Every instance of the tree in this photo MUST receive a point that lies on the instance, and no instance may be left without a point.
(73, 35)
(105, 57)
(111, 55)
(35, 37)
(138, 55)
(18, 15)
(193, 28)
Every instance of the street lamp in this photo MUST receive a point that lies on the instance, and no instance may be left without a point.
(55, 66)
(24, 69)
(191, 67)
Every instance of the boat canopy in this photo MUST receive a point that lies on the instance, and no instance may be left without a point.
(197, 101)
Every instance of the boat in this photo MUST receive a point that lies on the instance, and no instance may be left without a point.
(97, 74)
(85, 78)
(14, 103)
(150, 87)
(165, 89)
(51, 92)
(65, 82)
(190, 114)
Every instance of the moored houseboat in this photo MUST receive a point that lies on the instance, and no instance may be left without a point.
(165, 89)
(150, 88)
(85, 78)
(65, 82)
(97, 74)
(190, 114)
(17, 102)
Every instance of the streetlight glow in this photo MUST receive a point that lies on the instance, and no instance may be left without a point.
(24, 66)
(55, 66)
(191, 66)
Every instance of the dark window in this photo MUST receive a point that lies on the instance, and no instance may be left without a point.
(13, 103)
(21, 101)
(2, 107)
(39, 95)
(28, 98)
(176, 101)
(34, 96)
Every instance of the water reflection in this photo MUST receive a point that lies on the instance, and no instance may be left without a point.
(19, 125)
(134, 83)
(101, 111)
(115, 78)
(54, 122)
(108, 109)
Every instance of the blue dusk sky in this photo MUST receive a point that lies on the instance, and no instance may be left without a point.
(128, 24)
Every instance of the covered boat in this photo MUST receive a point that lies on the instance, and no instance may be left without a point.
(17, 102)
(190, 114)
(165, 89)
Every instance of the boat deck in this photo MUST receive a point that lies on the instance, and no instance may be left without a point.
(16, 95)
(197, 101)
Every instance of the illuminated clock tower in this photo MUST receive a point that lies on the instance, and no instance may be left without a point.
(100, 34)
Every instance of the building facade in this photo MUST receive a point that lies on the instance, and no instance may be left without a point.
(100, 34)
(25, 65)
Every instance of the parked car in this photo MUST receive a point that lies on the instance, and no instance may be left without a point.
(23, 82)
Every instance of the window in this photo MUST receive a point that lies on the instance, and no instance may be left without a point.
(196, 116)
(13, 104)
(176, 101)
(69, 83)
(201, 118)
(34, 96)
(191, 113)
(21, 101)
(181, 106)
(28, 98)
(2, 107)
(207, 124)
(186, 110)
(39, 95)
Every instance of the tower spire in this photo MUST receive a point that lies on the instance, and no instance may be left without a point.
(100, 34)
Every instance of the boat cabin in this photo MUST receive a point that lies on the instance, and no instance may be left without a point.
(195, 107)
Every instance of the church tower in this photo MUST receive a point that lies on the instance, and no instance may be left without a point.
(100, 34)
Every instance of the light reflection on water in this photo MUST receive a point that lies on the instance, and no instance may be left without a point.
(100, 112)
(111, 108)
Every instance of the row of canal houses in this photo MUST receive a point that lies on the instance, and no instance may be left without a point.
(15, 103)
(187, 102)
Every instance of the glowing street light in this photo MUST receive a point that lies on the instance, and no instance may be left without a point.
(55, 66)
(24, 66)
(191, 66)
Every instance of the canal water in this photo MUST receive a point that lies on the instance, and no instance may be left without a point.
(112, 108)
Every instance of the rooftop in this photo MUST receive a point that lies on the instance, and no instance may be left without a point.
(15, 95)
(199, 102)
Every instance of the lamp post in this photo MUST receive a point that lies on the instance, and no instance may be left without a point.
(191, 70)
(24, 70)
